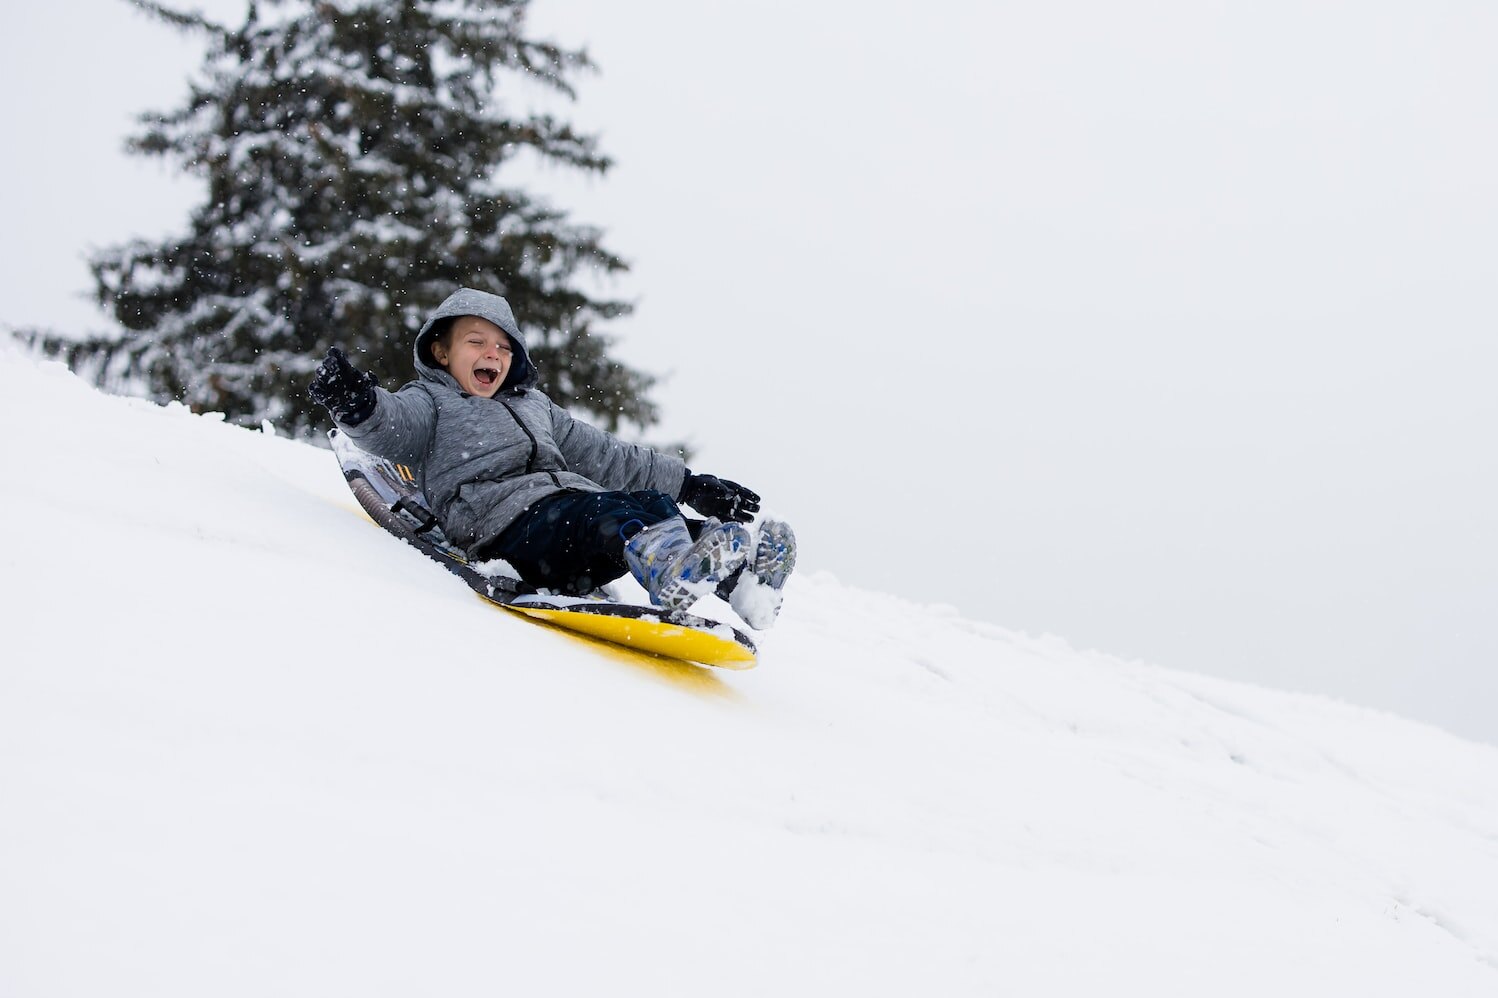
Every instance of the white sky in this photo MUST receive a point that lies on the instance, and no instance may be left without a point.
(1165, 327)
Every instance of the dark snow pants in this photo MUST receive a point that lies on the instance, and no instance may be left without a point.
(574, 542)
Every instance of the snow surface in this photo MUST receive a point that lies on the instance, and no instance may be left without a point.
(251, 746)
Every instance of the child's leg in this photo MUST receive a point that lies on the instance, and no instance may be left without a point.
(573, 543)
(677, 569)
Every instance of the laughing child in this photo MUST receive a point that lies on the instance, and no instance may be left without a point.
(510, 474)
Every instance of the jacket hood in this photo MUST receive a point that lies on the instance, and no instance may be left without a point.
(467, 301)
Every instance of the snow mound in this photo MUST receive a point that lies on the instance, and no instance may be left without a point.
(249, 746)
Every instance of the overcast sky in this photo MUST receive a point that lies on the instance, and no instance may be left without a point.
(1168, 328)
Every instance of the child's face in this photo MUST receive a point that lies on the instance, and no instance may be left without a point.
(476, 353)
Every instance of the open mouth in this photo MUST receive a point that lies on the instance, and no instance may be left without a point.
(485, 376)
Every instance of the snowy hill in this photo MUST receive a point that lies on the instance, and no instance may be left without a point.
(250, 746)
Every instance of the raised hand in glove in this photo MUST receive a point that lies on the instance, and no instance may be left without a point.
(712, 496)
(343, 389)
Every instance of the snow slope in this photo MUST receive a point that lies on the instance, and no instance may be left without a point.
(250, 746)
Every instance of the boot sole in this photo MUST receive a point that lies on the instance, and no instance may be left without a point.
(713, 557)
(774, 561)
(758, 595)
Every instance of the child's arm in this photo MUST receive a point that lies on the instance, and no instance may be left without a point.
(615, 464)
(396, 425)
(611, 462)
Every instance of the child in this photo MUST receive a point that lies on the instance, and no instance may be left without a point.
(509, 474)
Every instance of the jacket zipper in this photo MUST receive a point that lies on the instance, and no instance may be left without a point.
(530, 462)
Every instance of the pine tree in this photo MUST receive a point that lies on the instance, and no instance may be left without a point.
(351, 151)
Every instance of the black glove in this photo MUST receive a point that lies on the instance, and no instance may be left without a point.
(342, 389)
(719, 497)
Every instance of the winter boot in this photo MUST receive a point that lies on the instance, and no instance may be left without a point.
(755, 596)
(677, 571)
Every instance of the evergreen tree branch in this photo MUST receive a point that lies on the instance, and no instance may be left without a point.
(188, 20)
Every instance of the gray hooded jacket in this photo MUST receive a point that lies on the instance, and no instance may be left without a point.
(482, 462)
